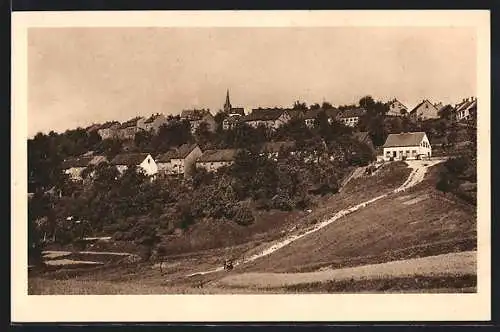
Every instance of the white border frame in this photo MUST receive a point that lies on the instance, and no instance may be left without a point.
(209, 308)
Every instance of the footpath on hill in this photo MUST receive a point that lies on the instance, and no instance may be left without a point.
(419, 169)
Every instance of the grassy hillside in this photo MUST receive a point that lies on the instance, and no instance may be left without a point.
(270, 225)
(416, 223)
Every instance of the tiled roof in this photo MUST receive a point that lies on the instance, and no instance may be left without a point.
(82, 161)
(130, 123)
(129, 158)
(352, 112)
(218, 155)
(180, 153)
(238, 110)
(264, 114)
(425, 101)
(109, 124)
(153, 118)
(404, 139)
(194, 114)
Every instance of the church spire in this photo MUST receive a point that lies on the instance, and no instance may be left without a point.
(227, 105)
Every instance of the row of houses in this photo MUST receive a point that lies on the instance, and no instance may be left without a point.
(464, 110)
(273, 118)
(180, 161)
(128, 129)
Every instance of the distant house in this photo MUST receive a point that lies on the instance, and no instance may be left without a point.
(231, 121)
(364, 137)
(310, 116)
(350, 117)
(128, 129)
(403, 146)
(465, 110)
(211, 160)
(396, 108)
(153, 123)
(274, 149)
(197, 117)
(180, 161)
(75, 166)
(108, 129)
(271, 118)
(142, 160)
(424, 110)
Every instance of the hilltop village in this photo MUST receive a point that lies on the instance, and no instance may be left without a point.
(149, 180)
(185, 158)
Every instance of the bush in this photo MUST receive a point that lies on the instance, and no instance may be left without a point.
(283, 203)
(242, 215)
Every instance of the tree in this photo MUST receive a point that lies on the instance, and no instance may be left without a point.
(298, 105)
(315, 106)
(446, 112)
(143, 140)
(326, 105)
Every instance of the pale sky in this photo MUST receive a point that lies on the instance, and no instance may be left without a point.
(80, 76)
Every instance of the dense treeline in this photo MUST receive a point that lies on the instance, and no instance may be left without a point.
(133, 208)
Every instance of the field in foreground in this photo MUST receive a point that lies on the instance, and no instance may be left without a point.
(420, 222)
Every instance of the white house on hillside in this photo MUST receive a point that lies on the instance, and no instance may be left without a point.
(143, 160)
(407, 146)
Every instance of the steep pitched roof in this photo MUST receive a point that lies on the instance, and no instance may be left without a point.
(130, 123)
(264, 114)
(425, 101)
(218, 155)
(129, 158)
(352, 112)
(82, 161)
(153, 118)
(180, 153)
(195, 114)
(404, 139)
(238, 110)
(109, 124)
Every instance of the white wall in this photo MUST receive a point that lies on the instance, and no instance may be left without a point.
(410, 152)
(149, 166)
(350, 122)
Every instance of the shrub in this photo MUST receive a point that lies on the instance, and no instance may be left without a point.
(242, 215)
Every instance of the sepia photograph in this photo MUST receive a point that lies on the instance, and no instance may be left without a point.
(253, 160)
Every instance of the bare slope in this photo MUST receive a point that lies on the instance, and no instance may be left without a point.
(416, 223)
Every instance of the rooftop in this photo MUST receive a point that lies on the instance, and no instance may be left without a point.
(404, 139)
(129, 158)
(179, 153)
(218, 155)
(353, 112)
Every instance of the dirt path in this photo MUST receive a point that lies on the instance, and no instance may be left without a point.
(461, 263)
(419, 168)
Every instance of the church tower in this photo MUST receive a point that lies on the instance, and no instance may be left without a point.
(227, 105)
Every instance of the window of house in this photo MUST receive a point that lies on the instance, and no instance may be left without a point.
(414, 152)
(407, 151)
